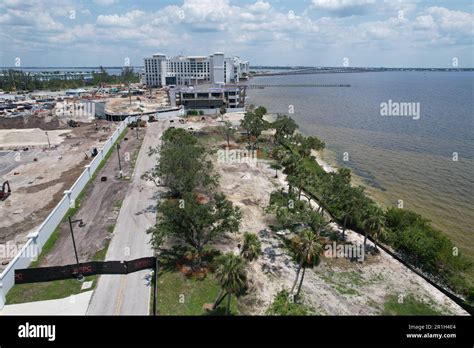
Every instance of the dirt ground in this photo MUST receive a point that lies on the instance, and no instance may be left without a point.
(34, 137)
(37, 186)
(338, 286)
(99, 208)
(141, 103)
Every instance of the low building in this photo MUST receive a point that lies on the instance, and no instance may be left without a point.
(209, 97)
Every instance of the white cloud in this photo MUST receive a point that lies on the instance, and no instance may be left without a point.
(104, 2)
(206, 25)
(260, 6)
(343, 7)
(127, 20)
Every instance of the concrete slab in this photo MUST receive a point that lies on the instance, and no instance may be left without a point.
(72, 305)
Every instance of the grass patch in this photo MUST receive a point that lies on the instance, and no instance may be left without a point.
(57, 289)
(180, 295)
(283, 305)
(344, 282)
(22, 293)
(409, 306)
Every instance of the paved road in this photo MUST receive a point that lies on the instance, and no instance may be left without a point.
(130, 294)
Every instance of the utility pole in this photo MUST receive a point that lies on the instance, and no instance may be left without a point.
(138, 124)
(80, 277)
(120, 163)
(47, 136)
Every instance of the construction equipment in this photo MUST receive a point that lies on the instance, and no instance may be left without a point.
(6, 191)
(74, 124)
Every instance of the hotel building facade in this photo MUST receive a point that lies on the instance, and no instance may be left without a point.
(215, 69)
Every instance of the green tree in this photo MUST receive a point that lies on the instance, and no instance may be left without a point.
(306, 248)
(230, 274)
(283, 304)
(222, 111)
(195, 221)
(183, 165)
(308, 144)
(251, 247)
(278, 154)
(284, 127)
(228, 131)
(254, 124)
(373, 223)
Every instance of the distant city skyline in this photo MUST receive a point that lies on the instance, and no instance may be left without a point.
(358, 33)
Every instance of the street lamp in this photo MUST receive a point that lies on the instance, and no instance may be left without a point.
(120, 163)
(80, 277)
(47, 136)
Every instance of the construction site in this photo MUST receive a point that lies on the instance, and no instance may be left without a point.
(38, 173)
(44, 149)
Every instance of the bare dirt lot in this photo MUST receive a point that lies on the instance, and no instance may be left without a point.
(142, 103)
(39, 176)
(337, 286)
(12, 138)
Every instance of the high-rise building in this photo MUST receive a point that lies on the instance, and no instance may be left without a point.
(155, 70)
(193, 70)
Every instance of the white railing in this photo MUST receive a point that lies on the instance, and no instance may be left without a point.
(37, 240)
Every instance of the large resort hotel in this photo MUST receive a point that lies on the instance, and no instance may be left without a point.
(216, 69)
(199, 82)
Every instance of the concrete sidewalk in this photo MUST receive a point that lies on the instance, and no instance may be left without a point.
(72, 305)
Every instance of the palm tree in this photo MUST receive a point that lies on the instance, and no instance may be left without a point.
(290, 163)
(374, 223)
(252, 247)
(222, 111)
(307, 248)
(277, 167)
(228, 131)
(230, 274)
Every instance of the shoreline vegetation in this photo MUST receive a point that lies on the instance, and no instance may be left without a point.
(404, 231)
(193, 216)
(18, 80)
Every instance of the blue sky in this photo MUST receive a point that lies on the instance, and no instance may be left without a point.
(388, 33)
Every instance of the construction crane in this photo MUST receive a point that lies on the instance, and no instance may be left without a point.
(6, 191)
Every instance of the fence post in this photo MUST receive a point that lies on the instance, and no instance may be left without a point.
(88, 168)
(72, 202)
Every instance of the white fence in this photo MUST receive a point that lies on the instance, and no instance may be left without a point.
(37, 240)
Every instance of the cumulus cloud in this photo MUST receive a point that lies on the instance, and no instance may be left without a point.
(129, 19)
(206, 25)
(343, 7)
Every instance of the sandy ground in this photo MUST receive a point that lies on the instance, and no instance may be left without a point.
(142, 103)
(13, 138)
(37, 186)
(337, 286)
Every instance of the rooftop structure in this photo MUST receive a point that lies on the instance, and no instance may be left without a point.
(209, 97)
